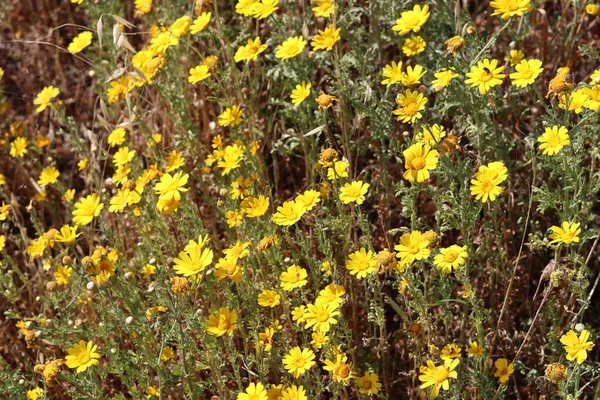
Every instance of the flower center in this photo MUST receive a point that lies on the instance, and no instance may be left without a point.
(342, 371)
(451, 257)
(300, 362)
(83, 358)
(411, 109)
(223, 323)
(486, 75)
(418, 163)
(554, 141)
(442, 375)
(322, 316)
(487, 187)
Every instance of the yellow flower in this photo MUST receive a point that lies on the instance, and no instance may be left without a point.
(451, 257)
(82, 356)
(354, 192)
(227, 267)
(576, 100)
(234, 218)
(485, 185)
(503, 369)
(254, 207)
(438, 377)
(123, 156)
(86, 209)
(2, 242)
(167, 353)
(152, 391)
(82, 164)
(593, 96)
(485, 75)
(318, 339)
(18, 147)
(443, 78)
(569, 233)
(199, 73)
(297, 361)
(62, 275)
(527, 72)
(556, 373)
(266, 338)
(368, 383)
(361, 263)
(222, 322)
(431, 135)
(80, 42)
(289, 213)
(393, 73)
(419, 159)
(339, 170)
(143, 7)
(269, 298)
(162, 42)
(47, 97)
(48, 176)
(148, 271)
(332, 293)
(290, 48)
(250, 51)
(300, 93)
(326, 39)
(412, 20)
(475, 350)
(411, 103)
(413, 45)
(181, 26)
(200, 23)
(245, 7)
(293, 277)
(592, 9)
(323, 8)
(454, 44)
(67, 234)
(232, 116)
(254, 391)
(309, 199)
(450, 351)
(116, 137)
(169, 187)
(263, 8)
(514, 57)
(194, 258)
(554, 139)
(413, 246)
(413, 76)
(320, 316)
(510, 8)
(35, 393)
(325, 100)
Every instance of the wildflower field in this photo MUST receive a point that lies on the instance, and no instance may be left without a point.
(294, 200)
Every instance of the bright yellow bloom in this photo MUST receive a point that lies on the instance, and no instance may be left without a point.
(576, 100)
(80, 42)
(162, 42)
(62, 275)
(393, 73)
(290, 48)
(475, 350)
(86, 209)
(510, 8)
(326, 39)
(454, 44)
(431, 135)
(320, 316)
(341, 369)
(413, 45)
(503, 369)
(485, 75)
(269, 298)
(232, 116)
(254, 391)
(323, 8)
(354, 192)
(451, 257)
(266, 338)
(48, 176)
(123, 156)
(361, 263)
(592, 9)
(250, 51)
(116, 137)
(569, 233)
(47, 97)
(368, 383)
(412, 20)
(419, 159)
(200, 23)
(82, 356)
(254, 207)
(413, 246)
(143, 7)
(67, 234)
(325, 100)
(35, 393)
(222, 322)
(527, 72)
(181, 26)
(293, 277)
(297, 361)
(413, 76)
(245, 7)
(339, 170)
(263, 8)
(577, 347)
(289, 213)
(300, 93)
(309, 199)
(169, 187)
(194, 258)
(411, 103)
(554, 139)
(514, 57)
(18, 147)
(199, 73)
(438, 377)
(443, 78)
(488, 177)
